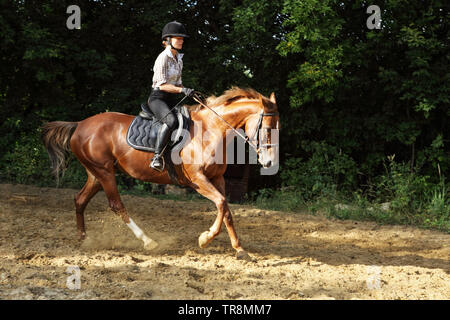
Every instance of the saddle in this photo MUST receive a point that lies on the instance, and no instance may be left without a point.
(143, 130)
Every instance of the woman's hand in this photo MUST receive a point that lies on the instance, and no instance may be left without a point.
(167, 87)
(188, 92)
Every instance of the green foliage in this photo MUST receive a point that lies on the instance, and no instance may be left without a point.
(325, 172)
(411, 194)
(399, 196)
(26, 162)
(285, 199)
(405, 189)
(312, 36)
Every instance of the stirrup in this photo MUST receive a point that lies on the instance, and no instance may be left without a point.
(157, 157)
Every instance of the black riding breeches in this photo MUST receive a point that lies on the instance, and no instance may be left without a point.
(160, 103)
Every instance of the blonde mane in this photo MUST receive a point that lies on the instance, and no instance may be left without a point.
(231, 95)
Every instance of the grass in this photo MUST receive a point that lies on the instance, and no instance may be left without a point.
(359, 209)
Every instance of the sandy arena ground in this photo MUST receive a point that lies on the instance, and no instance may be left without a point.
(296, 256)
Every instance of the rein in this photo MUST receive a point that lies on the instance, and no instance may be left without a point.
(197, 98)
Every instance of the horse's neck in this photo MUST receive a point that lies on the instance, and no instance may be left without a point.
(235, 114)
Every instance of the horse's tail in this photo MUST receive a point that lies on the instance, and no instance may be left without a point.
(56, 137)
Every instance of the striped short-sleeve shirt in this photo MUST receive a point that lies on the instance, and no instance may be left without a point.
(167, 68)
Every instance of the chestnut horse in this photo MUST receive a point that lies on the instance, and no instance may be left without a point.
(99, 143)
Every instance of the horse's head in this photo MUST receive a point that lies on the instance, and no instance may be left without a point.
(263, 128)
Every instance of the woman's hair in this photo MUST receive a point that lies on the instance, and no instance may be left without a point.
(165, 42)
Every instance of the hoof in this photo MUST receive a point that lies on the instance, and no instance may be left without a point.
(203, 240)
(151, 245)
(243, 255)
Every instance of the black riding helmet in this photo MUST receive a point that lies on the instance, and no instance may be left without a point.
(174, 29)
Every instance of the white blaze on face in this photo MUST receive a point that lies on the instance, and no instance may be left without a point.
(269, 148)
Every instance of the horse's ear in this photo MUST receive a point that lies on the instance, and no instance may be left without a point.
(272, 98)
(261, 100)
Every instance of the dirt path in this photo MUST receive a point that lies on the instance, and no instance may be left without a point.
(297, 256)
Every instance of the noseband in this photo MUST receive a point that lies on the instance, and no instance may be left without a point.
(258, 129)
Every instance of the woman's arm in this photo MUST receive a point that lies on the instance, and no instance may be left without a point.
(170, 88)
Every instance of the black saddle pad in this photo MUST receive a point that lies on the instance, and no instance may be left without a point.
(142, 132)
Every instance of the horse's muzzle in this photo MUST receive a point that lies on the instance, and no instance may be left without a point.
(267, 164)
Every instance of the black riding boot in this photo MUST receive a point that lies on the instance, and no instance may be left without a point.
(161, 141)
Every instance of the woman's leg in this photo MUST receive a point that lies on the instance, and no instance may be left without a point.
(169, 123)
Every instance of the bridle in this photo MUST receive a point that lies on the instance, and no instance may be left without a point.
(258, 129)
(198, 97)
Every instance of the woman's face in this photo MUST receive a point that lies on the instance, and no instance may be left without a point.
(177, 42)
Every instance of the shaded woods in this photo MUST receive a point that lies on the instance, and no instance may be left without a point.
(365, 112)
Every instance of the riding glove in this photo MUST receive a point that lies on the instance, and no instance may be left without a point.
(188, 92)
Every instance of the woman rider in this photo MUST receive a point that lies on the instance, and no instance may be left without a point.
(166, 85)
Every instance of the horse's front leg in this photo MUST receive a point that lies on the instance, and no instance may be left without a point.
(206, 188)
(219, 183)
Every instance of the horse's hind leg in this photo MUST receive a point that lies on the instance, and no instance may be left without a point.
(83, 197)
(108, 181)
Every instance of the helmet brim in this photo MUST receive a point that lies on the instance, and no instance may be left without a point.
(175, 35)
